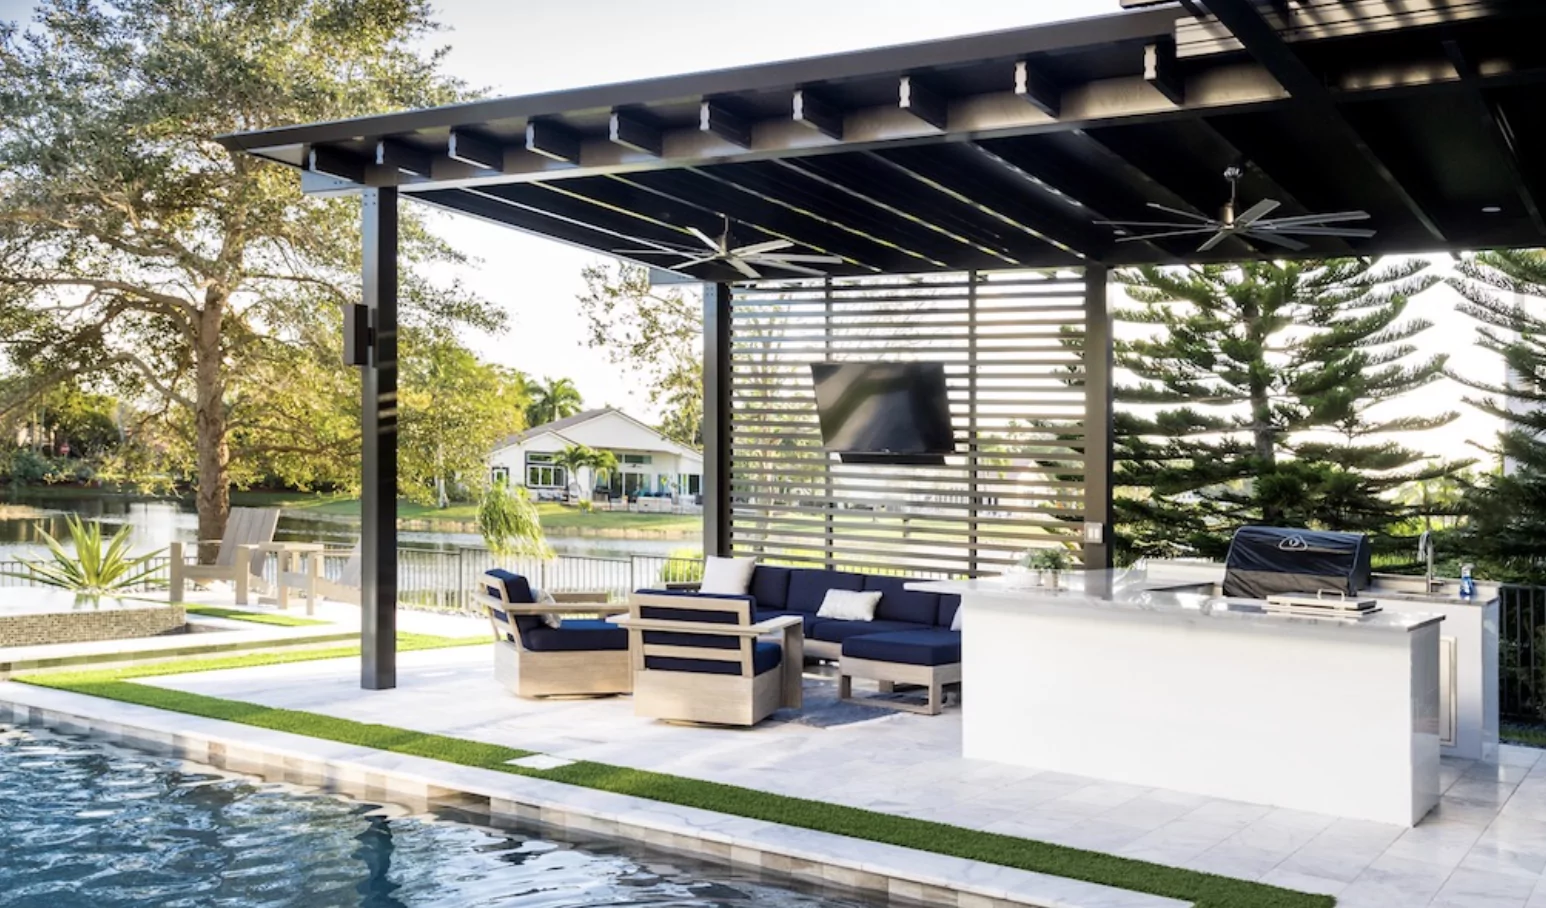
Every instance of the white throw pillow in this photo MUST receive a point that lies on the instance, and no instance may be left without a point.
(543, 597)
(955, 623)
(849, 605)
(727, 576)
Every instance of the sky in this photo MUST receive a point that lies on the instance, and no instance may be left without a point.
(523, 47)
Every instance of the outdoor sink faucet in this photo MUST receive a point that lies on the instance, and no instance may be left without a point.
(1425, 551)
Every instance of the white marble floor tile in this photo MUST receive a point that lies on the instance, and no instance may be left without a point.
(1479, 889)
(1514, 755)
(1304, 882)
(1392, 882)
(1239, 861)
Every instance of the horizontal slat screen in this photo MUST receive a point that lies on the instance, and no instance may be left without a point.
(1012, 345)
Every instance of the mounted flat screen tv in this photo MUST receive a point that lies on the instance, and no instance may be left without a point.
(885, 413)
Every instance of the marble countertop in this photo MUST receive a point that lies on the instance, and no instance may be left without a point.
(1127, 593)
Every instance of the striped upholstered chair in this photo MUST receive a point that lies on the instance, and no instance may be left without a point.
(580, 657)
(698, 657)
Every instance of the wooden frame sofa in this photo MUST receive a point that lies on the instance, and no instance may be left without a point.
(579, 658)
(698, 658)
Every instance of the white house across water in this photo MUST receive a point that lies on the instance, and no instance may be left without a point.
(648, 463)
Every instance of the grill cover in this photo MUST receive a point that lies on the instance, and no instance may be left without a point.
(1267, 561)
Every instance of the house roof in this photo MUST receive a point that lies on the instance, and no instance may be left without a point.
(1009, 149)
(559, 426)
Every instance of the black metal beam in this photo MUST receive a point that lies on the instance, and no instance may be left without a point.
(631, 129)
(1244, 20)
(1160, 70)
(1037, 90)
(717, 119)
(553, 140)
(919, 99)
(404, 157)
(1496, 124)
(336, 162)
(963, 173)
(558, 200)
(1099, 515)
(819, 114)
(378, 434)
(716, 419)
(479, 151)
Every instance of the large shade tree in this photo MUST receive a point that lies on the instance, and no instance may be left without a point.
(1258, 400)
(135, 248)
(1506, 510)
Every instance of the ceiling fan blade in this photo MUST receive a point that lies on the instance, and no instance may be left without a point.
(696, 260)
(1214, 240)
(653, 251)
(784, 257)
(1193, 231)
(1349, 232)
(1316, 219)
(741, 266)
(760, 248)
(1256, 212)
(1278, 240)
(1143, 224)
(1179, 213)
(797, 269)
(707, 240)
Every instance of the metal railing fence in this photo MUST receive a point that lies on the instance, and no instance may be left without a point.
(1522, 654)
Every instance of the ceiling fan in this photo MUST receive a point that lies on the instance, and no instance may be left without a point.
(1252, 223)
(741, 258)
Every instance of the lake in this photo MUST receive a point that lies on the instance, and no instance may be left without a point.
(156, 522)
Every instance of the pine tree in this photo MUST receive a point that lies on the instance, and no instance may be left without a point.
(1506, 510)
(1256, 401)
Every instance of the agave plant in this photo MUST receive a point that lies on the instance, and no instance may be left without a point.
(93, 570)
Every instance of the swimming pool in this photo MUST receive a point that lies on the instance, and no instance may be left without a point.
(90, 825)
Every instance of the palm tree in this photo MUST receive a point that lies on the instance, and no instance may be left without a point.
(578, 458)
(552, 399)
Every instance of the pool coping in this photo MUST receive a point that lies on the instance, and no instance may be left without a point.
(854, 865)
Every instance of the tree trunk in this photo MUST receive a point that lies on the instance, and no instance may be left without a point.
(212, 451)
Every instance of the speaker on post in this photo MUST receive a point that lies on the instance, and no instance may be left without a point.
(357, 335)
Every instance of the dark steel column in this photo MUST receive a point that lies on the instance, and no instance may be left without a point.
(716, 419)
(1097, 421)
(378, 424)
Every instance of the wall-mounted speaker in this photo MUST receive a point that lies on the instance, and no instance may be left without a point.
(357, 335)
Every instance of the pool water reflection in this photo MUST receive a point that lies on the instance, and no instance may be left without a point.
(90, 825)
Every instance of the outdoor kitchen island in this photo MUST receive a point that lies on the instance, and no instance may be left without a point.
(1145, 682)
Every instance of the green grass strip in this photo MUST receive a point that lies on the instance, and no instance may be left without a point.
(1206, 890)
(233, 614)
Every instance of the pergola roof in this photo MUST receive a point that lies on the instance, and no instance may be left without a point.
(1002, 150)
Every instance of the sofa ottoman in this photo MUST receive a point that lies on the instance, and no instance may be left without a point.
(929, 658)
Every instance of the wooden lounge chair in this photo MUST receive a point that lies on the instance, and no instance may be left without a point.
(313, 582)
(697, 658)
(579, 658)
(245, 530)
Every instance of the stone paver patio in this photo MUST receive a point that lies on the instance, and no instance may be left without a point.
(1484, 846)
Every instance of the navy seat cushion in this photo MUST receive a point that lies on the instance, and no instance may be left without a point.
(947, 610)
(807, 587)
(900, 604)
(930, 647)
(575, 635)
(834, 631)
(766, 656)
(516, 587)
(770, 587)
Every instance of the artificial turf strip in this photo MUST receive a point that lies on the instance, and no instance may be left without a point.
(231, 614)
(1205, 890)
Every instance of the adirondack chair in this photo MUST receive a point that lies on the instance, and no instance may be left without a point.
(245, 530)
(313, 581)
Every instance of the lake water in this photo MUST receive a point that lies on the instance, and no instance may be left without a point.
(94, 826)
(155, 523)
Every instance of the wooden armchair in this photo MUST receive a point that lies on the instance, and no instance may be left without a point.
(697, 658)
(579, 658)
(245, 530)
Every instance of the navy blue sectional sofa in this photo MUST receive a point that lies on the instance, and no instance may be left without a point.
(915, 625)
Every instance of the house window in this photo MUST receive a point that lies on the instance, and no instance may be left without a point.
(689, 484)
(640, 459)
(499, 474)
(542, 473)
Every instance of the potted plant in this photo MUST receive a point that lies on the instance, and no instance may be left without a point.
(1052, 563)
(1023, 573)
